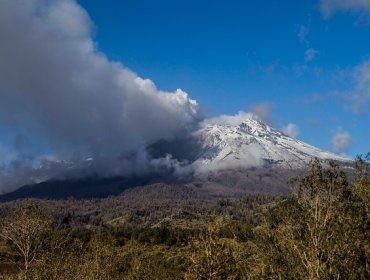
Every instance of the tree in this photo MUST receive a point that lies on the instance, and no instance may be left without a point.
(212, 256)
(24, 229)
(318, 196)
(325, 225)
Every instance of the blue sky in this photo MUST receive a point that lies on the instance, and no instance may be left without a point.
(303, 62)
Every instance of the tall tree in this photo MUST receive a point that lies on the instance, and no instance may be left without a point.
(24, 229)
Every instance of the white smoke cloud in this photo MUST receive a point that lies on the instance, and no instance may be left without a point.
(341, 141)
(59, 90)
(231, 120)
(291, 130)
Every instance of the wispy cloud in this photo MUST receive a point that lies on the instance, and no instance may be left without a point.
(353, 90)
(312, 121)
(329, 7)
(341, 141)
(303, 33)
(310, 54)
(359, 96)
(263, 111)
(291, 130)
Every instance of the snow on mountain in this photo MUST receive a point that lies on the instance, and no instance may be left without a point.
(250, 142)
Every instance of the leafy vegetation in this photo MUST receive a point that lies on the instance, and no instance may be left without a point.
(321, 231)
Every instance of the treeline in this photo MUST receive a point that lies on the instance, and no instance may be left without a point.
(321, 231)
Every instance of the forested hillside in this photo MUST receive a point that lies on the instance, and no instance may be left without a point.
(320, 231)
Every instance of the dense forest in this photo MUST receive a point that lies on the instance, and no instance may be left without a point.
(320, 231)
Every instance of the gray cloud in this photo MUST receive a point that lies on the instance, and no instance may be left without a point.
(263, 111)
(341, 142)
(20, 142)
(329, 7)
(58, 89)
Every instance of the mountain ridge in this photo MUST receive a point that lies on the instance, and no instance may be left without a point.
(254, 143)
(223, 159)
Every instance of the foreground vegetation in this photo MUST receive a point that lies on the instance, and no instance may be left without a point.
(320, 232)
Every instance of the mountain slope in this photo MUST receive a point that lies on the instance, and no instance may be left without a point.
(225, 159)
(253, 143)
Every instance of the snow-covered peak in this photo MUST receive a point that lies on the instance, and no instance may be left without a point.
(226, 143)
